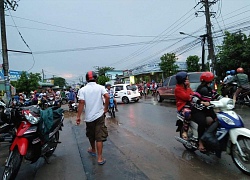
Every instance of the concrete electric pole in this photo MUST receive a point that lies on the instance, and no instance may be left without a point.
(11, 5)
(211, 55)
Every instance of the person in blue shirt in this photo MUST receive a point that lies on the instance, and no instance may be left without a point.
(111, 93)
(71, 98)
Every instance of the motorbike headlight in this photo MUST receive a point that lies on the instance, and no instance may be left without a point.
(32, 119)
(230, 104)
(227, 120)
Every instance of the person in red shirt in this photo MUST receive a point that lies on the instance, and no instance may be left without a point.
(183, 95)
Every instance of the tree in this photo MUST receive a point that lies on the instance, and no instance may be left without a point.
(193, 63)
(59, 81)
(168, 65)
(233, 53)
(102, 80)
(28, 82)
(102, 70)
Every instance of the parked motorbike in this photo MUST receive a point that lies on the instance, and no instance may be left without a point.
(231, 135)
(7, 130)
(36, 136)
(111, 108)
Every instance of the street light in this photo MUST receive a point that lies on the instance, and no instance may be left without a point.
(203, 40)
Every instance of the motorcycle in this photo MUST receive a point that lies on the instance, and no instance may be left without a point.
(228, 90)
(7, 130)
(73, 106)
(111, 108)
(36, 136)
(244, 97)
(231, 135)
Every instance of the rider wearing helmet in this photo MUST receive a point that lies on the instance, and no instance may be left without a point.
(183, 94)
(242, 82)
(232, 72)
(111, 94)
(227, 78)
(202, 97)
(227, 86)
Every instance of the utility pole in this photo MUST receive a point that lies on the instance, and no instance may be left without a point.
(203, 52)
(211, 55)
(4, 52)
(43, 74)
(11, 5)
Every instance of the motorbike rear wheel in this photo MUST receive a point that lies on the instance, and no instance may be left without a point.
(15, 161)
(243, 163)
(54, 140)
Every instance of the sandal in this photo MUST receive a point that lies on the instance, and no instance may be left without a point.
(91, 152)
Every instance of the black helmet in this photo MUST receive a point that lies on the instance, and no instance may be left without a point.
(91, 76)
(107, 85)
(181, 77)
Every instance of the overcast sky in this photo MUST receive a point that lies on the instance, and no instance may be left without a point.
(70, 37)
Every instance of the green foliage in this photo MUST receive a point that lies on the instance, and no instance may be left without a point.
(233, 53)
(28, 82)
(193, 63)
(102, 80)
(59, 81)
(102, 70)
(168, 65)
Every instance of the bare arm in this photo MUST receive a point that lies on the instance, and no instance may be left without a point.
(79, 112)
(106, 102)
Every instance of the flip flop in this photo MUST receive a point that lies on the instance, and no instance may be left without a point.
(103, 162)
(91, 153)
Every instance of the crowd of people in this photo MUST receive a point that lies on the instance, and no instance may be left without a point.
(146, 88)
(35, 97)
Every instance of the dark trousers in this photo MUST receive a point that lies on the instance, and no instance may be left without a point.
(200, 118)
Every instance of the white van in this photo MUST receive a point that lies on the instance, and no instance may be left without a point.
(126, 93)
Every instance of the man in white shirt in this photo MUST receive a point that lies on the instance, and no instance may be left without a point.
(90, 98)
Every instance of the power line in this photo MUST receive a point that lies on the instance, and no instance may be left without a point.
(78, 30)
(98, 47)
(145, 48)
(24, 42)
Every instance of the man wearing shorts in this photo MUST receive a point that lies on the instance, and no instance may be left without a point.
(90, 97)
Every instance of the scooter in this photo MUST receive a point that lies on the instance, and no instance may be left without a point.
(231, 135)
(73, 106)
(36, 136)
(7, 130)
(244, 97)
(228, 90)
(111, 108)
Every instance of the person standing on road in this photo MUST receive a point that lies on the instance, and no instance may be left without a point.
(90, 98)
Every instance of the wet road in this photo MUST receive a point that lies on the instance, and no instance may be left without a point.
(140, 145)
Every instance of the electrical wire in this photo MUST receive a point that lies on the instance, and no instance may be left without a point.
(130, 58)
(144, 48)
(98, 47)
(24, 43)
(82, 31)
